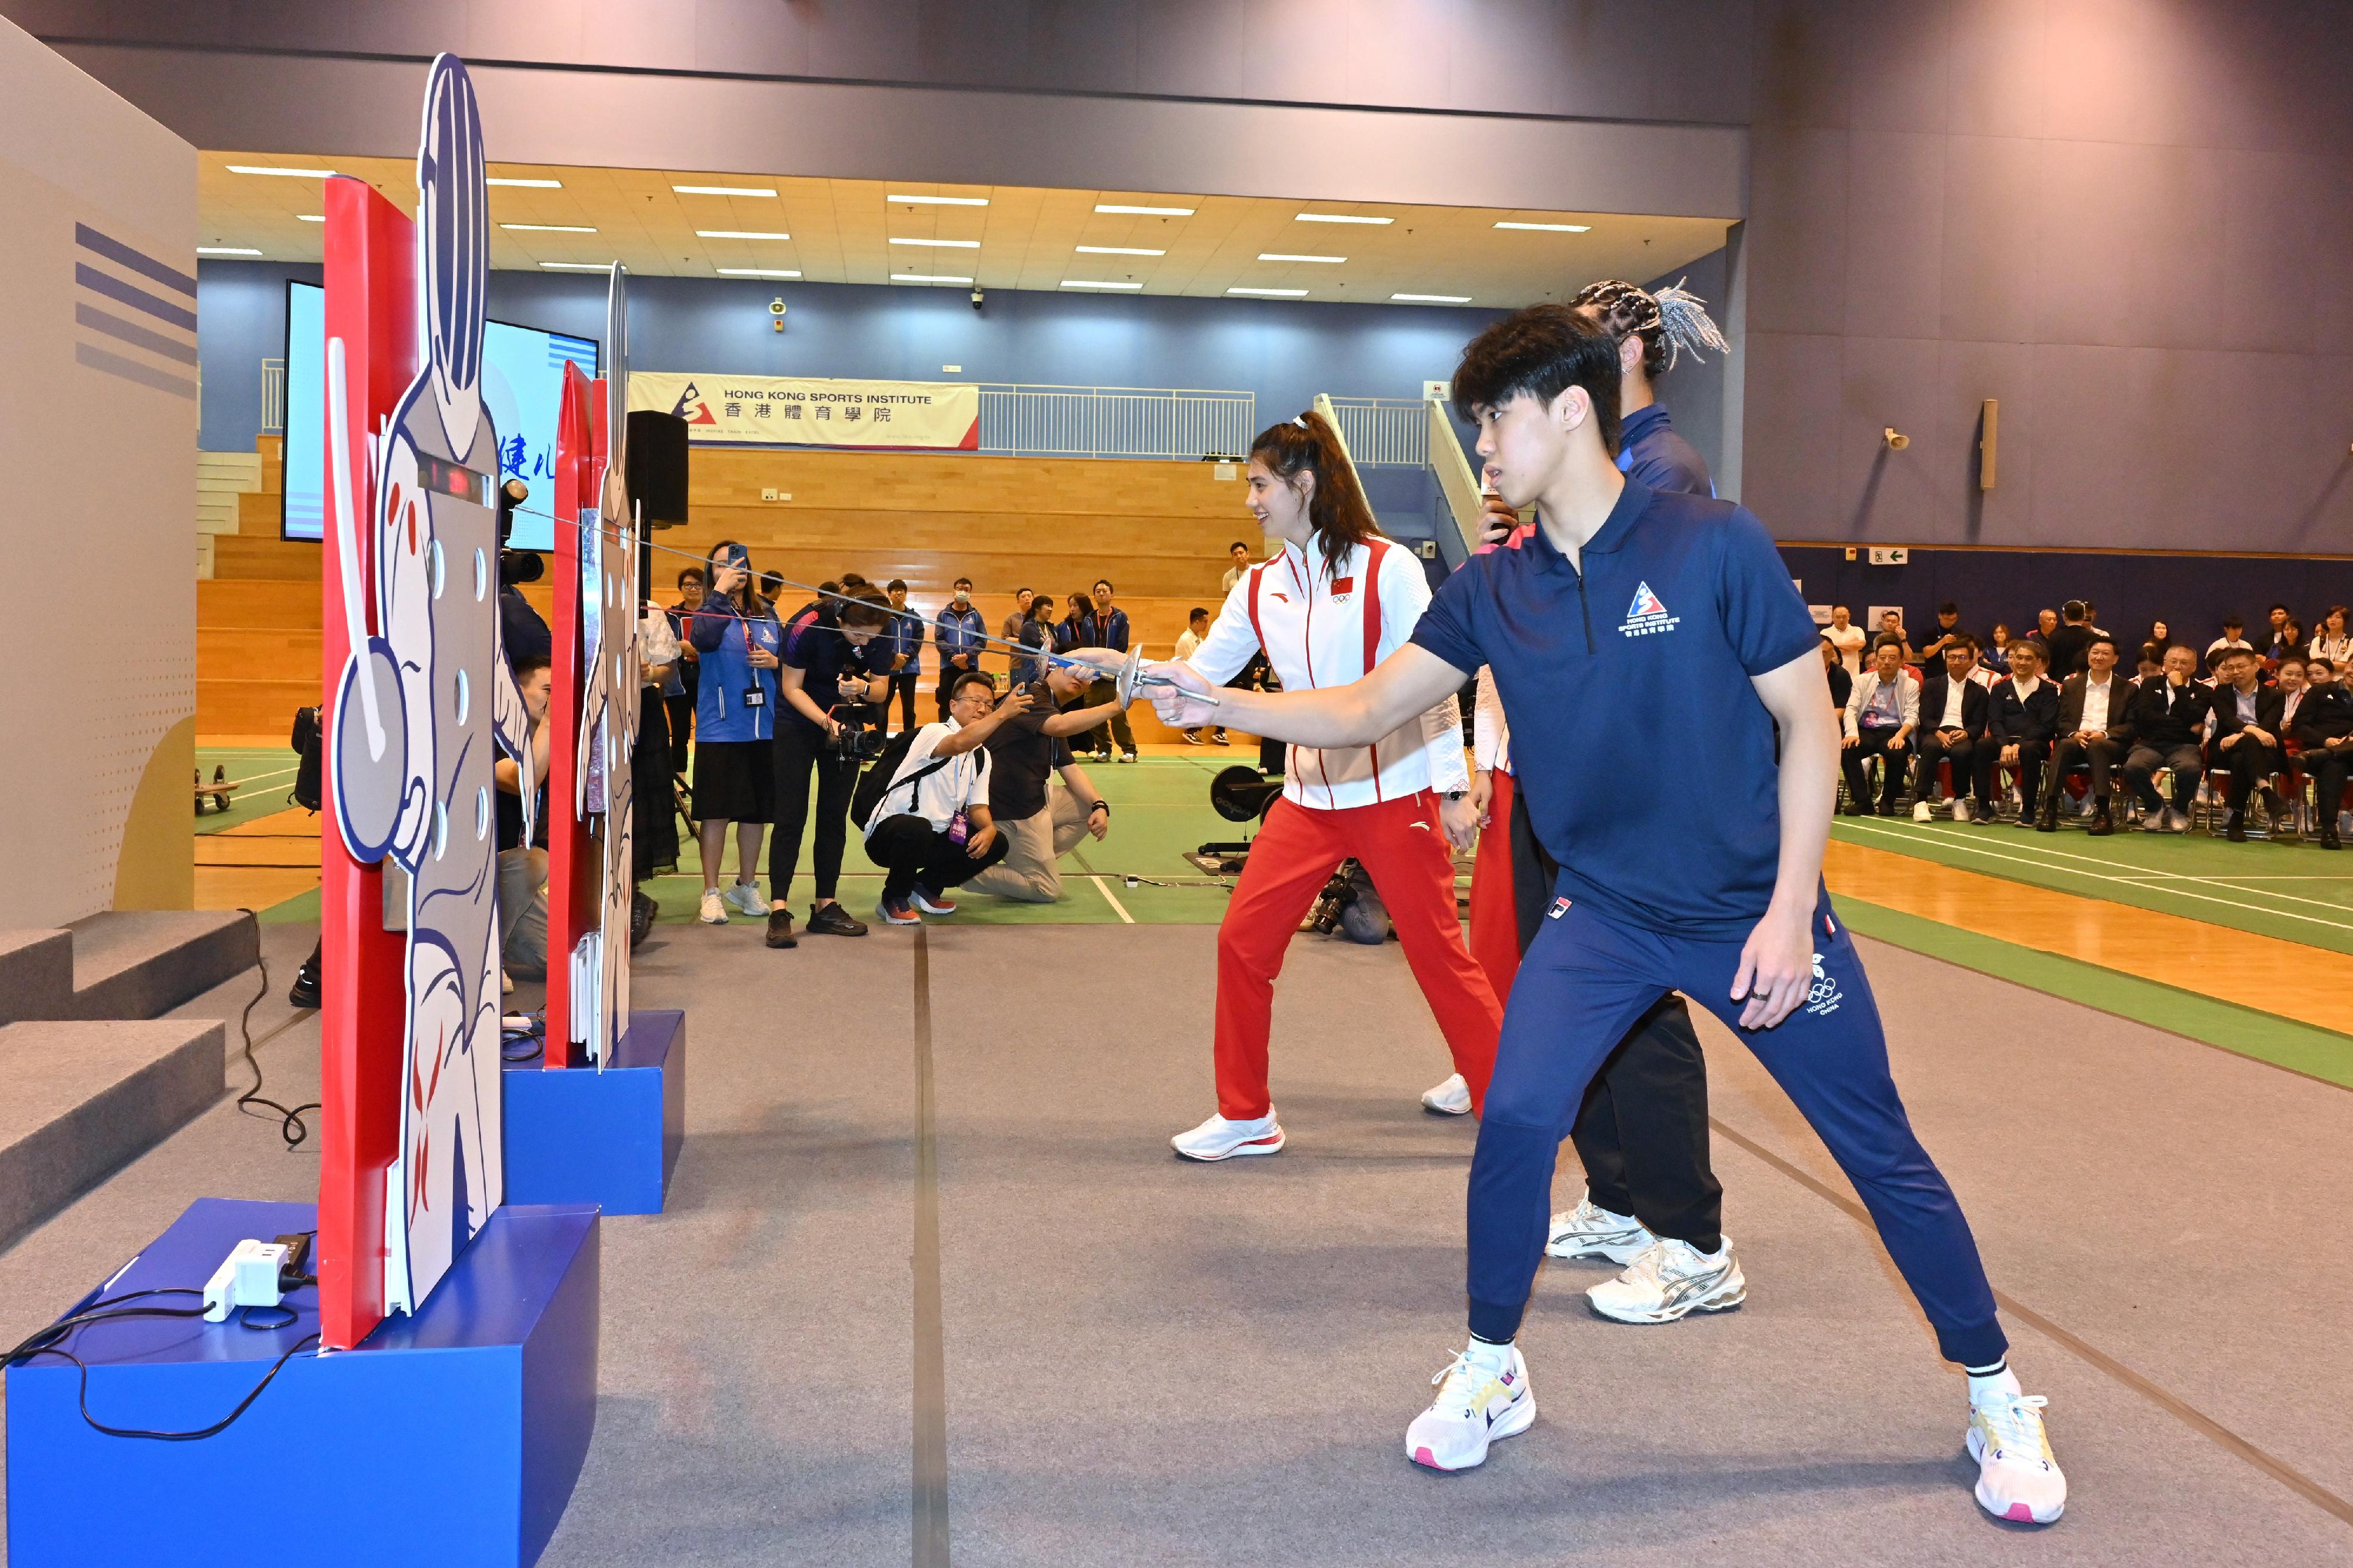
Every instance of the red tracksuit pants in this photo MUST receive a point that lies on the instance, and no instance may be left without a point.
(1494, 900)
(1402, 845)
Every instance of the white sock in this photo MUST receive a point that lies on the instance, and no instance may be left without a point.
(1489, 1354)
(1996, 1382)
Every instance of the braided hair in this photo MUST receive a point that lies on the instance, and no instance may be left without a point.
(1671, 324)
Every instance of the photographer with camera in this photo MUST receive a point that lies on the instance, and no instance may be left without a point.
(825, 683)
(930, 828)
(1039, 822)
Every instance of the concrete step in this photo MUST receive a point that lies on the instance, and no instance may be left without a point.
(131, 963)
(86, 1097)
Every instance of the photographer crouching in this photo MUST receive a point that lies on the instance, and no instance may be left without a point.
(825, 681)
(930, 828)
(1039, 822)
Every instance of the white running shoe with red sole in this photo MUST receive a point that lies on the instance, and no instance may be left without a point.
(1219, 1139)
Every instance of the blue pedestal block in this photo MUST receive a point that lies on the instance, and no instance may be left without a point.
(452, 1437)
(574, 1135)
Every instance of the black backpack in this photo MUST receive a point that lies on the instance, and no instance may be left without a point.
(305, 741)
(877, 780)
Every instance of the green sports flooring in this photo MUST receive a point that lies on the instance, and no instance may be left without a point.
(268, 773)
(2289, 889)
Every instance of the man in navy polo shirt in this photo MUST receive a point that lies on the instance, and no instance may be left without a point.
(1624, 603)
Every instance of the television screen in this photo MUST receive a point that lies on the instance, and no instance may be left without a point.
(522, 379)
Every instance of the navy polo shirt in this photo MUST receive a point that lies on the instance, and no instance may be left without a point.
(1620, 682)
(1649, 450)
(814, 644)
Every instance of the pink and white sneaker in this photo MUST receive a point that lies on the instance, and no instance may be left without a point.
(2018, 1479)
(1482, 1394)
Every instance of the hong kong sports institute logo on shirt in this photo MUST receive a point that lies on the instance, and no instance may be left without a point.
(1646, 614)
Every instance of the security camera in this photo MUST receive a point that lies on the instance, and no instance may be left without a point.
(1896, 440)
(978, 299)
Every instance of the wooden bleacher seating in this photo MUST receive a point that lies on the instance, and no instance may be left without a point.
(1159, 530)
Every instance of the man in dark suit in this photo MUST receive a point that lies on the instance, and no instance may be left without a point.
(2068, 641)
(2021, 717)
(2246, 738)
(1952, 723)
(2324, 728)
(2093, 732)
(2167, 714)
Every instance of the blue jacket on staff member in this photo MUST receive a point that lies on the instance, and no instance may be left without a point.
(725, 632)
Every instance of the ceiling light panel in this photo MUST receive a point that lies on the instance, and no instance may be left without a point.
(1091, 283)
(757, 272)
(941, 244)
(938, 201)
(1142, 212)
(226, 250)
(738, 234)
(1341, 218)
(1433, 298)
(525, 184)
(1277, 256)
(1271, 293)
(1551, 227)
(289, 173)
(549, 228)
(927, 278)
(723, 190)
(1115, 250)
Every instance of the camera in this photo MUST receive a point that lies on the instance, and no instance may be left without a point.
(854, 742)
(978, 299)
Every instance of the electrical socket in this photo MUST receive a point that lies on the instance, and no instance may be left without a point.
(769, 493)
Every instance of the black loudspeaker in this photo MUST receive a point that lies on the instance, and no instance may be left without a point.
(657, 459)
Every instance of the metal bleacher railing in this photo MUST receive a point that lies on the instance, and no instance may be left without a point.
(1381, 432)
(1188, 423)
(1116, 422)
(273, 397)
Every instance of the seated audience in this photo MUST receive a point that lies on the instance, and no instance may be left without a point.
(2021, 717)
(1848, 638)
(2167, 714)
(2245, 739)
(2324, 735)
(2234, 636)
(1891, 625)
(1952, 724)
(2332, 641)
(1881, 715)
(1995, 655)
(1842, 680)
(1948, 632)
(932, 830)
(2093, 734)
(2273, 644)
(1040, 823)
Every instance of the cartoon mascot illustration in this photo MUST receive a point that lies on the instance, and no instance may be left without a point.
(422, 700)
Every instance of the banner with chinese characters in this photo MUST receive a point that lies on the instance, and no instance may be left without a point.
(800, 412)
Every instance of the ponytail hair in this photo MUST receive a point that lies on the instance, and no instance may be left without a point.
(1336, 509)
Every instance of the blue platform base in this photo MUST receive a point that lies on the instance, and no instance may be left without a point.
(452, 1437)
(574, 1135)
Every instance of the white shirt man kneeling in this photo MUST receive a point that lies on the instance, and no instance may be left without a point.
(931, 831)
(1040, 823)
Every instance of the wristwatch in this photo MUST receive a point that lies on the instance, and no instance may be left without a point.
(1100, 804)
(1452, 793)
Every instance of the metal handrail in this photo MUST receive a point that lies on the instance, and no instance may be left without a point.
(1381, 432)
(1186, 424)
(273, 397)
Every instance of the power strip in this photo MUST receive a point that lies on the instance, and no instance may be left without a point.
(247, 1277)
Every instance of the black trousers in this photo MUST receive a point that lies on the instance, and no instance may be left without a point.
(2328, 771)
(2103, 757)
(797, 758)
(2032, 757)
(653, 822)
(948, 673)
(1642, 1129)
(2145, 759)
(1961, 753)
(680, 712)
(911, 851)
(2250, 763)
(902, 687)
(1891, 773)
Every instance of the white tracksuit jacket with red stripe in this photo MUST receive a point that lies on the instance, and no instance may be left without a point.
(1321, 629)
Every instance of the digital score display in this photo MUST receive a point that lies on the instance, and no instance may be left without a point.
(445, 478)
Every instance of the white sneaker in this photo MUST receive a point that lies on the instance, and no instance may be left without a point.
(1589, 1230)
(1923, 812)
(2017, 1478)
(744, 899)
(1671, 1280)
(1961, 808)
(1451, 1098)
(715, 909)
(1218, 1139)
(1482, 1394)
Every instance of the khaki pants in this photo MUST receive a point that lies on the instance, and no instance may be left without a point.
(523, 913)
(1029, 873)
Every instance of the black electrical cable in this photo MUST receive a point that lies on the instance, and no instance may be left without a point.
(524, 1045)
(45, 1342)
(291, 1125)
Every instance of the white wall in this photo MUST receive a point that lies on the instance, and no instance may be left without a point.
(98, 439)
